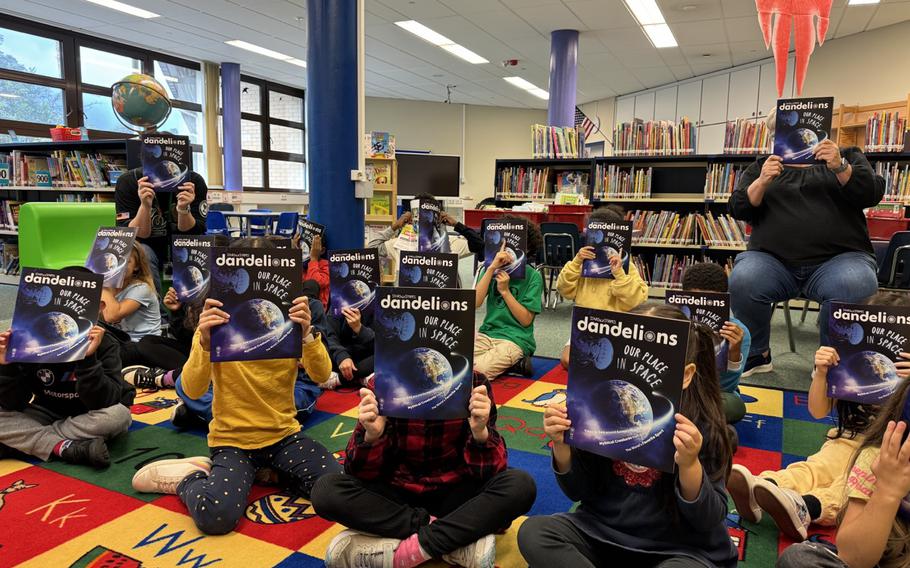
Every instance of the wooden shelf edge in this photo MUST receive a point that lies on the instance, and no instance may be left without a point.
(378, 218)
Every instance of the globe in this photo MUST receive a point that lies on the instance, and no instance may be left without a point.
(430, 368)
(258, 317)
(140, 102)
(355, 293)
(802, 140)
(56, 327)
(105, 263)
(624, 409)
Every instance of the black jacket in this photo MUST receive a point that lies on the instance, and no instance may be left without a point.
(69, 389)
(345, 344)
(475, 241)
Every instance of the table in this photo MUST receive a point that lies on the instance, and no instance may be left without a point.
(246, 216)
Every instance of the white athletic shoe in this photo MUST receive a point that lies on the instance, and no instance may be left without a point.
(741, 485)
(163, 476)
(353, 549)
(786, 507)
(479, 554)
(333, 382)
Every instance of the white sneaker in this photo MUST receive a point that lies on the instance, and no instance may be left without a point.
(741, 485)
(352, 549)
(786, 507)
(333, 382)
(479, 554)
(163, 476)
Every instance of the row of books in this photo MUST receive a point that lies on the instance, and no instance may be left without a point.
(555, 141)
(747, 136)
(722, 179)
(885, 132)
(9, 257)
(379, 173)
(897, 180)
(654, 138)
(674, 228)
(615, 181)
(85, 198)
(520, 182)
(9, 214)
(61, 168)
(666, 270)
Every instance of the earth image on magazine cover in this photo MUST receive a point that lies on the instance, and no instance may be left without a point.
(801, 141)
(628, 410)
(257, 317)
(356, 294)
(433, 368)
(867, 373)
(56, 327)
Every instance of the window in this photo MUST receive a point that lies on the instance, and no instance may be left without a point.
(287, 175)
(181, 83)
(30, 53)
(103, 68)
(251, 172)
(249, 98)
(285, 107)
(27, 102)
(186, 123)
(284, 139)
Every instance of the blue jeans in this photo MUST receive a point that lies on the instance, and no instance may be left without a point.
(759, 280)
(305, 394)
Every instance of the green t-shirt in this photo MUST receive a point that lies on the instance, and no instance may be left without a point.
(499, 322)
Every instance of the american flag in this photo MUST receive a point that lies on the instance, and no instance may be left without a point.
(587, 125)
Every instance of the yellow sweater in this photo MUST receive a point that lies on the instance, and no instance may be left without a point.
(618, 294)
(253, 401)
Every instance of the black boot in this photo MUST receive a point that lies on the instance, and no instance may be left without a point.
(522, 368)
(87, 452)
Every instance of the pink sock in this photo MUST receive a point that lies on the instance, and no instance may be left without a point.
(409, 554)
(168, 380)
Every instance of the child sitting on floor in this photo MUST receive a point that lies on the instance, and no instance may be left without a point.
(134, 307)
(506, 336)
(631, 515)
(710, 277)
(813, 490)
(874, 526)
(618, 294)
(425, 488)
(351, 348)
(253, 425)
(65, 410)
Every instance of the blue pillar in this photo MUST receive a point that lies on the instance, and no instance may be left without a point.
(230, 126)
(331, 114)
(563, 75)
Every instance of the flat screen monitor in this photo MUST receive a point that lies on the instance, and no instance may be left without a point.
(428, 173)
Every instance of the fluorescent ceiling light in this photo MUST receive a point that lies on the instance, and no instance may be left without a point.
(861, 2)
(645, 11)
(464, 53)
(9, 96)
(125, 8)
(440, 40)
(660, 35)
(266, 51)
(529, 87)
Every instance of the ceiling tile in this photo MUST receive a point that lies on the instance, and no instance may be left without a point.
(654, 76)
(421, 10)
(888, 14)
(690, 10)
(691, 33)
(638, 59)
(743, 29)
(503, 24)
(602, 14)
(673, 56)
(855, 20)
(740, 8)
(551, 17)
(681, 72)
(619, 41)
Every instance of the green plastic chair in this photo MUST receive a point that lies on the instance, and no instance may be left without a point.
(57, 235)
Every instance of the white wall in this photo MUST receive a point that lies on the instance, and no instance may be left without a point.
(488, 133)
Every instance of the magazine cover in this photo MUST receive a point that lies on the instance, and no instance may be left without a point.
(800, 125)
(190, 259)
(353, 277)
(508, 236)
(432, 235)
(869, 340)
(165, 160)
(709, 308)
(428, 269)
(110, 254)
(424, 352)
(625, 380)
(55, 310)
(256, 286)
(608, 238)
(308, 231)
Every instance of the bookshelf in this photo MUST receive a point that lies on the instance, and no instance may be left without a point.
(537, 180)
(379, 210)
(849, 121)
(91, 185)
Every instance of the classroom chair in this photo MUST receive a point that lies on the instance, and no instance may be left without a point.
(260, 226)
(287, 224)
(57, 235)
(216, 224)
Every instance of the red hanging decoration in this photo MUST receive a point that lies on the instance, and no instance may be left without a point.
(811, 19)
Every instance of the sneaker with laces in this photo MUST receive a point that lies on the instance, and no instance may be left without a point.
(87, 452)
(163, 476)
(183, 418)
(479, 554)
(142, 377)
(786, 507)
(740, 485)
(352, 549)
(757, 364)
(333, 382)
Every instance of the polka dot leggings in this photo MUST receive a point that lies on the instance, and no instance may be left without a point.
(217, 501)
